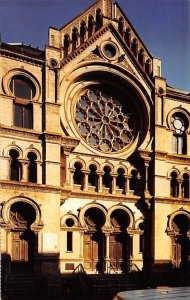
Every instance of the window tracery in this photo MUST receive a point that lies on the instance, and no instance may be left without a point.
(103, 122)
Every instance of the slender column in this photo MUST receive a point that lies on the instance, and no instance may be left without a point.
(71, 176)
(113, 189)
(24, 171)
(86, 173)
(39, 172)
(100, 181)
(180, 188)
(126, 186)
(81, 244)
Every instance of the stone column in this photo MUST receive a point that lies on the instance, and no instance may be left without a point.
(100, 181)
(180, 195)
(24, 165)
(113, 188)
(39, 172)
(126, 187)
(86, 173)
(81, 244)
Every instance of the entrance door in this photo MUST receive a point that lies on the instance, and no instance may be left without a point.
(177, 255)
(23, 246)
(119, 251)
(19, 248)
(94, 252)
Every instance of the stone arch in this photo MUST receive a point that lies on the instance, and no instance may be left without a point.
(106, 164)
(36, 225)
(177, 110)
(126, 210)
(65, 217)
(13, 147)
(138, 222)
(7, 79)
(117, 167)
(80, 161)
(34, 150)
(173, 169)
(89, 206)
(172, 216)
(95, 163)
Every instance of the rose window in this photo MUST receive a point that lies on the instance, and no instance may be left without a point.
(102, 121)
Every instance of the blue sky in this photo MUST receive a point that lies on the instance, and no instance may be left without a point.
(163, 25)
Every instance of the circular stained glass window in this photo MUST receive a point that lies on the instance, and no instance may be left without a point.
(109, 50)
(103, 121)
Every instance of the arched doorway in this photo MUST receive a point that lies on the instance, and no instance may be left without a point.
(22, 215)
(181, 241)
(94, 240)
(120, 242)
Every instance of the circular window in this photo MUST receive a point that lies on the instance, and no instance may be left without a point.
(104, 120)
(179, 123)
(109, 50)
(69, 222)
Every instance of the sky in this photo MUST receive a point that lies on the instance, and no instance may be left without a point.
(163, 25)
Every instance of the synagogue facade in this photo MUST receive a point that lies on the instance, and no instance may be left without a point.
(95, 152)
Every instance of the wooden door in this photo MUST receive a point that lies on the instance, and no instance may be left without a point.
(177, 255)
(90, 252)
(115, 252)
(19, 248)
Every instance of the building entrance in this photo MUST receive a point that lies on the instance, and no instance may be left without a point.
(94, 241)
(22, 215)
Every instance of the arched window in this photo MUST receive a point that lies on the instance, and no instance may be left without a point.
(180, 124)
(82, 32)
(174, 186)
(78, 175)
(92, 177)
(121, 26)
(134, 47)
(141, 57)
(66, 44)
(120, 179)
(127, 36)
(32, 167)
(90, 26)
(74, 39)
(24, 91)
(107, 179)
(15, 166)
(185, 186)
(147, 67)
(99, 19)
(133, 183)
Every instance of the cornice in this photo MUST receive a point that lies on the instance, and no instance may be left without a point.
(20, 132)
(99, 196)
(29, 187)
(178, 96)
(177, 158)
(68, 143)
(171, 200)
(22, 57)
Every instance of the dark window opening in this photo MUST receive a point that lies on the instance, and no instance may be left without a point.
(133, 184)
(180, 144)
(147, 67)
(90, 26)
(127, 36)
(120, 26)
(32, 167)
(22, 87)
(174, 186)
(74, 38)
(107, 179)
(66, 45)
(185, 186)
(99, 19)
(92, 177)
(120, 179)
(16, 169)
(23, 115)
(141, 57)
(82, 32)
(69, 241)
(78, 175)
(134, 47)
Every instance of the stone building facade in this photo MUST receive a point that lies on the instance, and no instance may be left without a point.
(95, 152)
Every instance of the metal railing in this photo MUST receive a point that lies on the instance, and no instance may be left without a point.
(79, 269)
